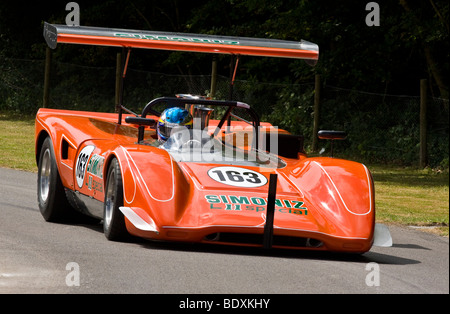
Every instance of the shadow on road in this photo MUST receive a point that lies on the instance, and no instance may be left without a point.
(204, 248)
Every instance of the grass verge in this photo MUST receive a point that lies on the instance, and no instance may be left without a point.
(17, 143)
(413, 197)
(405, 196)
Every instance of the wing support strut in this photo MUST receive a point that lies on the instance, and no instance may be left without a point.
(122, 79)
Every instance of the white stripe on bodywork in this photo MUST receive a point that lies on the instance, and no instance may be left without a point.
(129, 158)
(126, 186)
(339, 194)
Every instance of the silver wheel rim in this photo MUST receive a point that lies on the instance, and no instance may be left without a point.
(45, 173)
(110, 201)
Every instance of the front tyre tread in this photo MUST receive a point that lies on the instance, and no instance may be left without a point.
(113, 219)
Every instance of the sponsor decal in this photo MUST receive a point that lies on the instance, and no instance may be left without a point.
(81, 163)
(95, 165)
(95, 185)
(240, 177)
(178, 38)
(257, 204)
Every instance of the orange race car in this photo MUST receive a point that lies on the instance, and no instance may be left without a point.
(193, 169)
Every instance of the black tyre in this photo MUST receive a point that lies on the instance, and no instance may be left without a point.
(51, 196)
(113, 219)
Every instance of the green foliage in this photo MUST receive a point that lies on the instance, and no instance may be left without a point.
(293, 111)
(410, 44)
(19, 87)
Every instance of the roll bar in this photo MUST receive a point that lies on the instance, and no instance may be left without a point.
(179, 102)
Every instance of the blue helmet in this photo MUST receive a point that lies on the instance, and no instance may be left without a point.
(172, 118)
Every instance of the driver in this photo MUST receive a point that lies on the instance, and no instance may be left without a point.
(172, 119)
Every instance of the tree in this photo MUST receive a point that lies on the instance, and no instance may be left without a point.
(428, 29)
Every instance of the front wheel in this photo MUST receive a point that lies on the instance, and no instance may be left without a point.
(113, 219)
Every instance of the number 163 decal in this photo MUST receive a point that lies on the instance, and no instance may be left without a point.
(239, 177)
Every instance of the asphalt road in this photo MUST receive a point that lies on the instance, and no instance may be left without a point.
(41, 257)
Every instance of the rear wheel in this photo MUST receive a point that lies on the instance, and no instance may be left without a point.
(51, 196)
(113, 219)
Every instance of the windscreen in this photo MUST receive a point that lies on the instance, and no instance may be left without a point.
(200, 146)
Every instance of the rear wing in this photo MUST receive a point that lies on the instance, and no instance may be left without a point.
(100, 36)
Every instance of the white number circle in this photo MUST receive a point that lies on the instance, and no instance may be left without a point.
(240, 177)
(80, 165)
